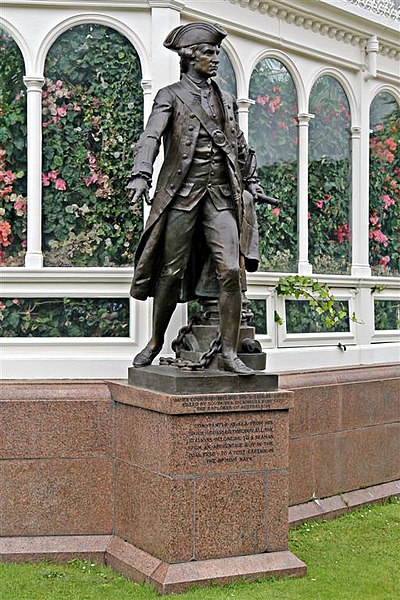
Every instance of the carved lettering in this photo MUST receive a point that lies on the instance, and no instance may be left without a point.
(231, 441)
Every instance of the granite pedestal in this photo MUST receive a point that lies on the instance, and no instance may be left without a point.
(201, 480)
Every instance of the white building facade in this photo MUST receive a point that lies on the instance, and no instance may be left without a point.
(352, 46)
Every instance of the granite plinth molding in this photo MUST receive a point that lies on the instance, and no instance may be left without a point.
(167, 578)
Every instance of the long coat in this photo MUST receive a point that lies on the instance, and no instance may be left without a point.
(173, 121)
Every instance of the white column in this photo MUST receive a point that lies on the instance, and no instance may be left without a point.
(34, 256)
(304, 267)
(243, 105)
(359, 209)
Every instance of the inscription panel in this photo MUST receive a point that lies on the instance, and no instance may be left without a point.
(230, 442)
(234, 402)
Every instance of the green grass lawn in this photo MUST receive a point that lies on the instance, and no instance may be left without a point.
(355, 557)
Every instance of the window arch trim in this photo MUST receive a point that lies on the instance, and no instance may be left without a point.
(292, 70)
(347, 89)
(95, 19)
(20, 42)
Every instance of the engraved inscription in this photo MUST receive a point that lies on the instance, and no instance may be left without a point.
(229, 442)
(227, 403)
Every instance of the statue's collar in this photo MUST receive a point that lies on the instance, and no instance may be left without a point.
(197, 86)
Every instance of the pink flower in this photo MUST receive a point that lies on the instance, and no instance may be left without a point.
(92, 179)
(374, 219)
(54, 119)
(342, 233)
(24, 244)
(61, 111)
(391, 144)
(20, 206)
(378, 236)
(52, 175)
(309, 215)
(16, 301)
(45, 180)
(262, 99)
(320, 204)
(77, 108)
(2, 306)
(59, 84)
(276, 211)
(384, 261)
(17, 97)
(387, 201)
(5, 230)
(60, 184)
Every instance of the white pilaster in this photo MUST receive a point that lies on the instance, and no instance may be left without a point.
(34, 256)
(304, 267)
(360, 189)
(243, 105)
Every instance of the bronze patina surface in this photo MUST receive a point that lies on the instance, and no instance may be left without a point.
(201, 233)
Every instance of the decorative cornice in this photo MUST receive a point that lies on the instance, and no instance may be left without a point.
(299, 16)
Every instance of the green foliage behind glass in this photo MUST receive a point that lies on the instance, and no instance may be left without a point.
(12, 154)
(384, 186)
(387, 314)
(64, 317)
(329, 178)
(273, 133)
(92, 117)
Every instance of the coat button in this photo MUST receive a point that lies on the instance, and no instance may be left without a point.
(192, 116)
(184, 155)
(179, 171)
(233, 130)
(188, 143)
(212, 173)
(191, 127)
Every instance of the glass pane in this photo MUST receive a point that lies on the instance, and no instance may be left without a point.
(12, 154)
(329, 178)
(302, 318)
(259, 320)
(92, 117)
(226, 77)
(273, 133)
(64, 317)
(384, 186)
(387, 314)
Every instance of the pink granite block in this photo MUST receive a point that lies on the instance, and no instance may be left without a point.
(55, 429)
(372, 404)
(153, 512)
(55, 497)
(316, 410)
(301, 470)
(140, 436)
(277, 497)
(356, 459)
(229, 515)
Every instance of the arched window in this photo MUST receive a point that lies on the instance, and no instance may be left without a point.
(273, 133)
(329, 178)
(92, 117)
(384, 187)
(226, 78)
(13, 202)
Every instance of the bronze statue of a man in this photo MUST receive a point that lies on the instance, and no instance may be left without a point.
(192, 244)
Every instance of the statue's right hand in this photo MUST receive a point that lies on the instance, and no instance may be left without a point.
(137, 188)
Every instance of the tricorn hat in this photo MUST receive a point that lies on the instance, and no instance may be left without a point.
(194, 33)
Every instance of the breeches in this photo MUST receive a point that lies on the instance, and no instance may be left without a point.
(220, 231)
